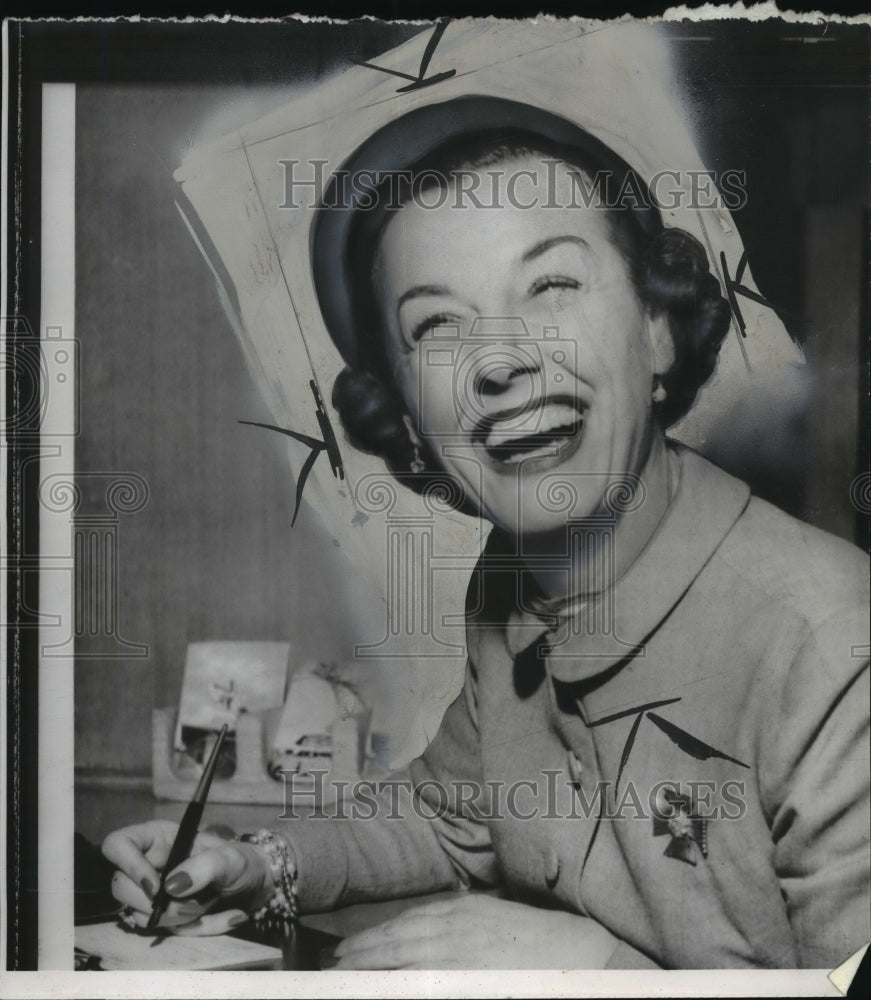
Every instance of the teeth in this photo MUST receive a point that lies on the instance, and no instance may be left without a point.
(525, 456)
(540, 421)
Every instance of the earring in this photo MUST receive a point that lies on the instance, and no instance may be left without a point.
(659, 390)
(417, 463)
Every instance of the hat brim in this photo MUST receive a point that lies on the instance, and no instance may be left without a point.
(404, 144)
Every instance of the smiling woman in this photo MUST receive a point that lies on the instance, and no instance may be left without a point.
(662, 685)
(558, 325)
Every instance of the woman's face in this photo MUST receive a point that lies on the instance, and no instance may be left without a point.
(521, 348)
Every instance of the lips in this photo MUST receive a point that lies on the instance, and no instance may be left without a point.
(530, 433)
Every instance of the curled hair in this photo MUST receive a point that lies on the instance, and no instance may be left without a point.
(676, 280)
(373, 416)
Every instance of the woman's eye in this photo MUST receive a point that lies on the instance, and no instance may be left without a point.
(421, 329)
(553, 283)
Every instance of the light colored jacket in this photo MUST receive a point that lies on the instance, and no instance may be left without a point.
(688, 755)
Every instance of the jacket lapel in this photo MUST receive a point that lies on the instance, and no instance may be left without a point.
(612, 629)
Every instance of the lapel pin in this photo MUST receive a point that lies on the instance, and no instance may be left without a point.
(674, 815)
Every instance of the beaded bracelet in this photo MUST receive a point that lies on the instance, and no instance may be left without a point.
(282, 908)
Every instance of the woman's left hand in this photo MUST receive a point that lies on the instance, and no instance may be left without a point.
(478, 932)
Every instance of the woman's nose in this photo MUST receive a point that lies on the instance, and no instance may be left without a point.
(500, 370)
(503, 355)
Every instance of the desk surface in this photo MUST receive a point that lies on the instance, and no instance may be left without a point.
(102, 806)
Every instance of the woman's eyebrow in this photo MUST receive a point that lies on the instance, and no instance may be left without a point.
(420, 290)
(553, 241)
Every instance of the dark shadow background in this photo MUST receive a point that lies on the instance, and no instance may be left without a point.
(212, 555)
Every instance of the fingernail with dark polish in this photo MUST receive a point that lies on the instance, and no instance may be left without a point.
(188, 909)
(327, 958)
(240, 918)
(180, 882)
(148, 887)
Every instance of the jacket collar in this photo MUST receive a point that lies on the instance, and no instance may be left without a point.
(614, 626)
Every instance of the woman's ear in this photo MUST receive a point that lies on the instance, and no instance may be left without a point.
(661, 342)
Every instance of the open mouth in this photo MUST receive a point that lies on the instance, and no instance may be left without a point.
(543, 431)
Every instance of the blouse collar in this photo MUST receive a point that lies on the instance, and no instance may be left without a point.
(585, 638)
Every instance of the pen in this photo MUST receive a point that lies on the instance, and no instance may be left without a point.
(187, 831)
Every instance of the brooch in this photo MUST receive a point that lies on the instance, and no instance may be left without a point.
(674, 815)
